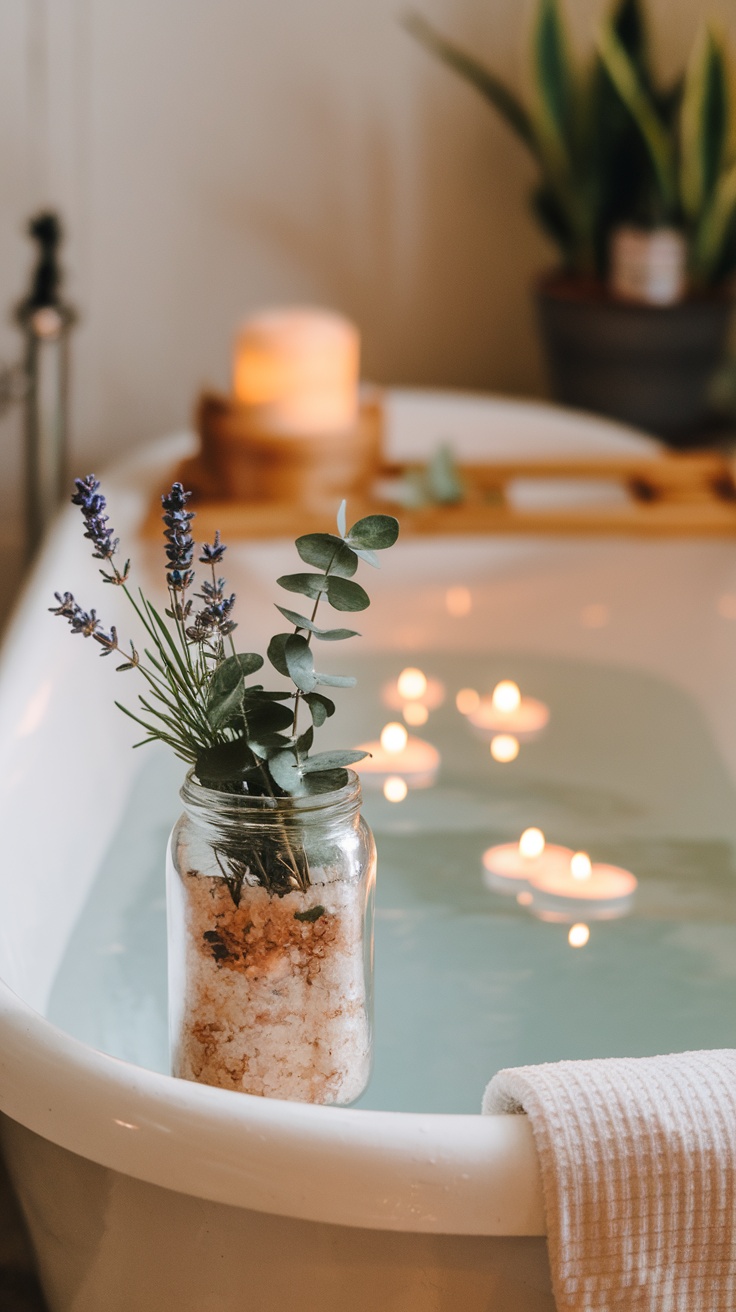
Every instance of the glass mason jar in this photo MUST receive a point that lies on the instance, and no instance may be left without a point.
(270, 926)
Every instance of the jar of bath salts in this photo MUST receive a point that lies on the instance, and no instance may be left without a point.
(270, 926)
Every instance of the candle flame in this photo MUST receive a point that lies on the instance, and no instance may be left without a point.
(578, 936)
(506, 696)
(531, 843)
(395, 788)
(467, 701)
(504, 747)
(580, 866)
(411, 684)
(415, 713)
(394, 738)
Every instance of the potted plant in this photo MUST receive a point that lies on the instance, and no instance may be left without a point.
(271, 868)
(637, 189)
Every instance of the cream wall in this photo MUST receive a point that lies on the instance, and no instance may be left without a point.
(214, 155)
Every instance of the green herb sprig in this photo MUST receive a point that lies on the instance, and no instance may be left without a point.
(239, 737)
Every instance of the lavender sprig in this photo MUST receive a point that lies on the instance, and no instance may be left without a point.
(93, 505)
(179, 541)
(87, 623)
(212, 622)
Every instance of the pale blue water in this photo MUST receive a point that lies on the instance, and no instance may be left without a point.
(466, 980)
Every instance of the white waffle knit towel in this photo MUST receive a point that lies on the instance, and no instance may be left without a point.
(638, 1165)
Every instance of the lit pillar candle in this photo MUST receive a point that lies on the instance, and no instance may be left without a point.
(399, 756)
(582, 890)
(296, 372)
(509, 867)
(507, 712)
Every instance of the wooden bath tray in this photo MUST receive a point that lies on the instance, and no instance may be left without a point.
(686, 495)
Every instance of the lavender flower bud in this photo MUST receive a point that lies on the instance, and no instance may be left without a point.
(212, 555)
(93, 505)
(180, 543)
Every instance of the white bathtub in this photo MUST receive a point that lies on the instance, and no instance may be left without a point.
(142, 1192)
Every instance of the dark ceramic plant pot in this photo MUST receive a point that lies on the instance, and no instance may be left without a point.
(646, 365)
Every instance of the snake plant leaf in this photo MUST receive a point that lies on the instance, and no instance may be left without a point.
(331, 760)
(635, 96)
(309, 585)
(286, 771)
(704, 120)
(490, 87)
(554, 219)
(627, 21)
(554, 77)
(716, 229)
(327, 553)
(335, 680)
(326, 635)
(562, 123)
(321, 707)
(345, 594)
(374, 533)
(300, 662)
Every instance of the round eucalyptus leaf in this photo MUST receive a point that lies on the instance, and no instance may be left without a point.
(335, 680)
(300, 662)
(285, 771)
(320, 707)
(277, 654)
(345, 594)
(325, 635)
(267, 717)
(309, 585)
(375, 532)
(331, 760)
(230, 672)
(328, 553)
(324, 781)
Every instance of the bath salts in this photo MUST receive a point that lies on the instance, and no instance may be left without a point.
(275, 1002)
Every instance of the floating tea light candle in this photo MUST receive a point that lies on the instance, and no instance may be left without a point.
(509, 867)
(602, 892)
(398, 757)
(507, 712)
(415, 693)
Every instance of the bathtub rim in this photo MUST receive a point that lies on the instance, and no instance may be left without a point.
(422, 1173)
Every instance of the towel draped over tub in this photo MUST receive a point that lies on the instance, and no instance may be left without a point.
(638, 1165)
